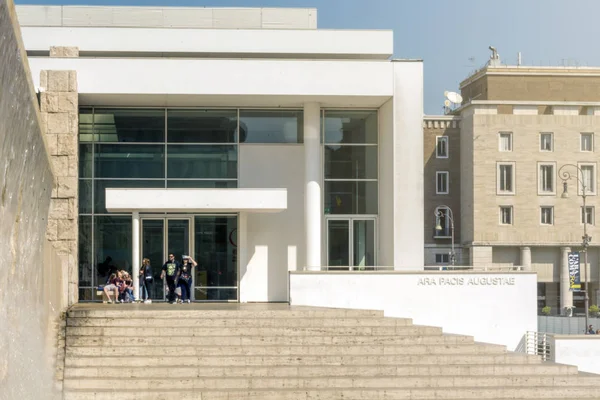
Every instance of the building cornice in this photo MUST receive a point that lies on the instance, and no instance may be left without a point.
(513, 70)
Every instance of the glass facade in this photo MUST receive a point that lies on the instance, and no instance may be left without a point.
(351, 189)
(166, 148)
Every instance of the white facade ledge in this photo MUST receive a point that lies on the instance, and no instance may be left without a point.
(196, 200)
(181, 42)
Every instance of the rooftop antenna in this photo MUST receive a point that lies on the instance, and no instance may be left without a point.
(494, 58)
(452, 100)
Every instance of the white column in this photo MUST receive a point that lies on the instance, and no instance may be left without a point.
(312, 191)
(566, 296)
(135, 253)
(526, 258)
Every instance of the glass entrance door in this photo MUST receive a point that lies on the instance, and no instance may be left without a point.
(160, 237)
(215, 241)
(351, 243)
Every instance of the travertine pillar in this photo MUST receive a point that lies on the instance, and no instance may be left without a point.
(313, 202)
(566, 295)
(526, 258)
(59, 105)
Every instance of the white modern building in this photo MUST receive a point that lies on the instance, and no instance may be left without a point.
(247, 138)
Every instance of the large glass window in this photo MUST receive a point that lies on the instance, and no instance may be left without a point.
(350, 153)
(143, 148)
(351, 163)
(271, 126)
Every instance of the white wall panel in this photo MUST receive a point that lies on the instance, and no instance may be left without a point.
(457, 302)
(317, 43)
(230, 77)
(275, 242)
(386, 185)
(582, 351)
(408, 166)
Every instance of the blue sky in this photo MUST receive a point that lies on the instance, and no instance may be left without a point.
(451, 37)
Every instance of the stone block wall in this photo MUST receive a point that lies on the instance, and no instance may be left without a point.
(32, 288)
(60, 115)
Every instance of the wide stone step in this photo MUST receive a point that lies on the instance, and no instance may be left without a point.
(330, 382)
(177, 360)
(248, 331)
(139, 341)
(316, 370)
(475, 393)
(187, 322)
(267, 350)
(133, 311)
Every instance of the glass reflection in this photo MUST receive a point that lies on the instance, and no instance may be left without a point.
(351, 197)
(200, 184)
(202, 161)
(351, 162)
(338, 240)
(350, 127)
(202, 126)
(85, 125)
(129, 125)
(85, 252)
(216, 254)
(271, 126)
(112, 244)
(129, 161)
(85, 161)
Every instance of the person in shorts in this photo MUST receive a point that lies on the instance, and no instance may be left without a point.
(170, 272)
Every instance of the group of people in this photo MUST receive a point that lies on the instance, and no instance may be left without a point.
(120, 284)
(590, 331)
(178, 278)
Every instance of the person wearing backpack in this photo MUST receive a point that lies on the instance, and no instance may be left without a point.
(185, 278)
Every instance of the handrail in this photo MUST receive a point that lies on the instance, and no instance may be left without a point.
(537, 343)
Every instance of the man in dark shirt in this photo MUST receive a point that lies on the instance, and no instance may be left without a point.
(171, 270)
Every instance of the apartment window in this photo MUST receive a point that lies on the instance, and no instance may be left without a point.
(442, 182)
(442, 258)
(547, 215)
(505, 141)
(587, 215)
(506, 215)
(588, 177)
(587, 141)
(441, 147)
(546, 141)
(506, 178)
(546, 179)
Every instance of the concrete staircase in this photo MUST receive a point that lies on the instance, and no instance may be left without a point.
(277, 352)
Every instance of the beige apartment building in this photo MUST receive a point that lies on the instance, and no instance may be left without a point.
(495, 162)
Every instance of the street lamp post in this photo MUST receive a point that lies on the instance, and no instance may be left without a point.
(438, 216)
(586, 239)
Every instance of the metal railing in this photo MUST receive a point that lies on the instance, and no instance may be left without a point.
(538, 343)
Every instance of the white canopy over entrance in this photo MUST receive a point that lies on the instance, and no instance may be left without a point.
(196, 200)
(188, 201)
